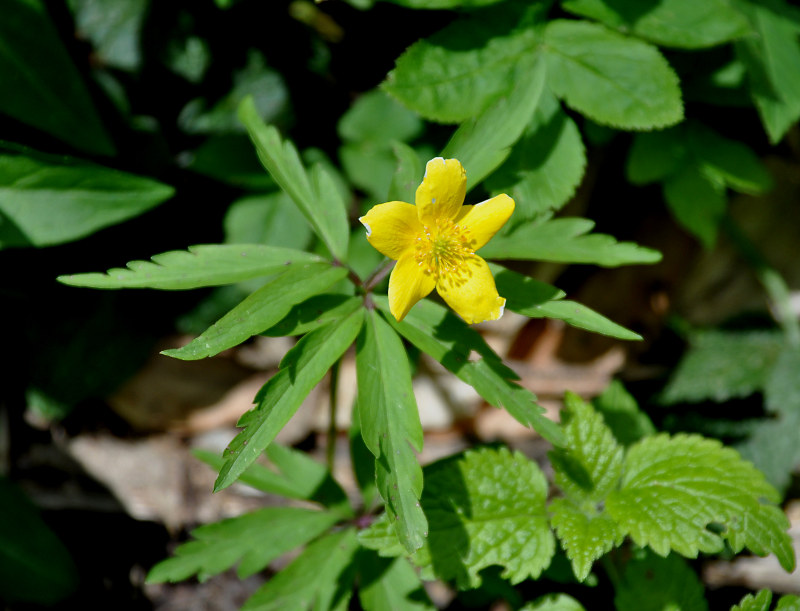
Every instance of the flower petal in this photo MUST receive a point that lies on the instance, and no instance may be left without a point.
(392, 227)
(407, 285)
(442, 190)
(471, 291)
(485, 219)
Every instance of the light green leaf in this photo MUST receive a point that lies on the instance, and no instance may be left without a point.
(390, 427)
(788, 602)
(41, 86)
(772, 447)
(522, 292)
(622, 415)
(46, 202)
(763, 531)
(455, 74)
(545, 166)
(442, 335)
(313, 313)
(656, 584)
(565, 240)
(270, 219)
(316, 195)
(390, 585)
(673, 488)
(584, 535)
(770, 55)
(484, 508)
(722, 365)
(255, 538)
(114, 33)
(277, 401)
(262, 309)
(614, 80)
(379, 119)
(554, 602)
(316, 579)
(580, 316)
(484, 142)
(200, 266)
(754, 602)
(697, 199)
(684, 24)
(295, 475)
(443, 4)
(407, 175)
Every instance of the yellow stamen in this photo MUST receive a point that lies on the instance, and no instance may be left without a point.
(441, 250)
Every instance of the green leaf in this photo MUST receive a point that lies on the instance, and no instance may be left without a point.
(564, 240)
(294, 475)
(788, 602)
(754, 602)
(772, 447)
(684, 24)
(270, 219)
(277, 401)
(314, 580)
(698, 201)
(443, 4)
(554, 602)
(545, 166)
(255, 538)
(442, 335)
(614, 80)
(362, 460)
(483, 143)
(230, 158)
(390, 427)
(200, 266)
(40, 85)
(262, 309)
(407, 175)
(313, 313)
(484, 508)
(44, 202)
(37, 567)
(457, 73)
(379, 119)
(580, 316)
(114, 33)
(521, 292)
(771, 54)
(654, 156)
(655, 584)
(674, 488)
(316, 195)
(390, 585)
(622, 415)
(721, 365)
(763, 531)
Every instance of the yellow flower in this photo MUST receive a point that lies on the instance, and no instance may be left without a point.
(434, 244)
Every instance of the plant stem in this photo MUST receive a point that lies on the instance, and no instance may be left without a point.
(330, 450)
(771, 280)
(378, 275)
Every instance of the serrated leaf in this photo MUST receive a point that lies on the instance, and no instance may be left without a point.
(684, 24)
(315, 195)
(41, 86)
(554, 602)
(313, 313)
(788, 602)
(754, 602)
(772, 447)
(262, 309)
(456, 73)
(545, 166)
(296, 476)
(622, 415)
(314, 580)
(655, 584)
(481, 144)
(253, 539)
(782, 386)
(200, 266)
(585, 537)
(406, 176)
(390, 427)
(769, 56)
(674, 488)
(484, 508)
(721, 365)
(390, 585)
(614, 80)
(444, 336)
(763, 531)
(45, 202)
(565, 240)
(277, 401)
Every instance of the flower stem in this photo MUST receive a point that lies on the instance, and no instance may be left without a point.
(378, 275)
(330, 450)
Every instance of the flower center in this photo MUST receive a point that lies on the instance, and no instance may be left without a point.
(441, 250)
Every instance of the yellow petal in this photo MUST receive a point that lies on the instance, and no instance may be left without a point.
(442, 190)
(484, 220)
(407, 285)
(471, 291)
(392, 227)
